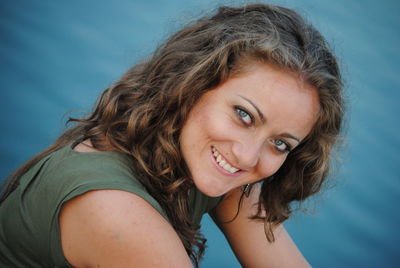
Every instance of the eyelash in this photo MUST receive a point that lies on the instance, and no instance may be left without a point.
(241, 113)
(287, 149)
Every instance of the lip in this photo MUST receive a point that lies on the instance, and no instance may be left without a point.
(221, 170)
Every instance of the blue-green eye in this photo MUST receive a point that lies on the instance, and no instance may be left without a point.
(244, 116)
(282, 146)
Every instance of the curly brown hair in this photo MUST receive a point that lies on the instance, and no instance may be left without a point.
(143, 113)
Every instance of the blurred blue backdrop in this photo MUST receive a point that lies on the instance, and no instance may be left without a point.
(57, 56)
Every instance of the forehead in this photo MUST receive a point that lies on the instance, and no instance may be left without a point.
(282, 96)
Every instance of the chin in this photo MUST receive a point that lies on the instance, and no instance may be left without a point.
(211, 190)
(213, 193)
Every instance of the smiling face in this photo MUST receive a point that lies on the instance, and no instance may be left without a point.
(243, 130)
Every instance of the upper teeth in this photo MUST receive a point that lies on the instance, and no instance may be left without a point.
(222, 163)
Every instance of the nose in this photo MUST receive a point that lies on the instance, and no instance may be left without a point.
(247, 152)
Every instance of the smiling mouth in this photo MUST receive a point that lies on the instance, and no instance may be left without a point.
(221, 161)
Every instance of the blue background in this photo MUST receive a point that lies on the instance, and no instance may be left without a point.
(57, 56)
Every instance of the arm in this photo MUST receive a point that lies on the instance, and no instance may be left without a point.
(247, 237)
(112, 228)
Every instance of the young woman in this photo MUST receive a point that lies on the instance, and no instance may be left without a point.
(234, 115)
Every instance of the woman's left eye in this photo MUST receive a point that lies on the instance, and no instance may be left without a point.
(282, 146)
(244, 116)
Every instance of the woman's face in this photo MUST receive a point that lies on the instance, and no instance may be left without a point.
(243, 130)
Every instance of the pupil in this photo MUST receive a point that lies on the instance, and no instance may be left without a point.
(242, 114)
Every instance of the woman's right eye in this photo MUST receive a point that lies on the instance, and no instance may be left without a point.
(244, 116)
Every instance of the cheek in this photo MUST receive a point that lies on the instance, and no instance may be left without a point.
(269, 165)
(219, 127)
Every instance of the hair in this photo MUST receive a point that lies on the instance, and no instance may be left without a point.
(143, 113)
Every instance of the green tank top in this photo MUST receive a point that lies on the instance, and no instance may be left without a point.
(29, 228)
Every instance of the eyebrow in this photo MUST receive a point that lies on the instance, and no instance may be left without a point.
(263, 119)
(290, 136)
(260, 114)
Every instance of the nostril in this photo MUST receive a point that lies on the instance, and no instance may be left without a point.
(247, 156)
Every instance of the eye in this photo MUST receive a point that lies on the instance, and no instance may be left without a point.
(244, 116)
(282, 146)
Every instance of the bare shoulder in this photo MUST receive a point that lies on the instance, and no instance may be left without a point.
(247, 237)
(113, 228)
